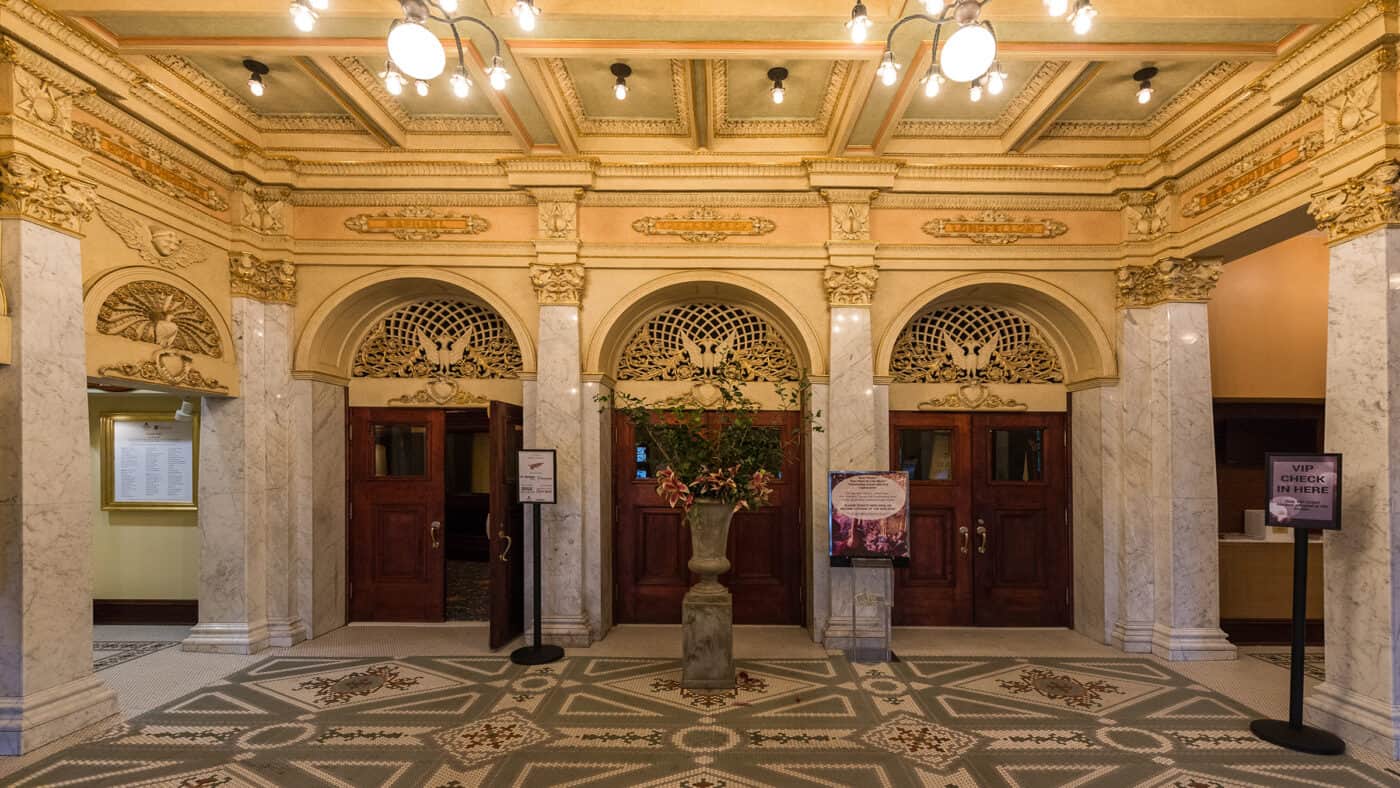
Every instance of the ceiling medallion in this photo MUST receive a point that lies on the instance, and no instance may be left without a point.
(703, 225)
(995, 227)
(417, 224)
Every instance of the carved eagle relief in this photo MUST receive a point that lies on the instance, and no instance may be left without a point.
(161, 315)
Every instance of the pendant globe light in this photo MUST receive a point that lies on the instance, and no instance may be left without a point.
(413, 47)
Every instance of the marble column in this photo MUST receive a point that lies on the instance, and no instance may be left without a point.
(47, 687)
(318, 570)
(1097, 418)
(1360, 700)
(598, 504)
(1168, 509)
(817, 465)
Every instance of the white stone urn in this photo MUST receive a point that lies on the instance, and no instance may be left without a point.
(707, 618)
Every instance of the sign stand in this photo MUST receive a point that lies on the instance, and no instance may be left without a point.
(537, 487)
(1304, 494)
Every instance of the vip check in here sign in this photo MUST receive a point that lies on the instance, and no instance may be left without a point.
(1305, 490)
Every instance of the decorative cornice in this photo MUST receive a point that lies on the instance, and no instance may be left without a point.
(149, 166)
(149, 138)
(374, 199)
(417, 224)
(995, 227)
(62, 32)
(1006, 172)
(1171, 279)
(557, 285)
(703, 225)
(850, 285)
(1272, 132)
(678, 125)
(398, 169)
(1187, 97)
(1015, 107)
(271, 281)
(818, 126)
(1350, 100)
(548, 164)
(1007, 202)
(33, 191)
(1362, 204)
(195, 77)
(803, 199)
(1327, 41)
(701, 170)
(1252, 174)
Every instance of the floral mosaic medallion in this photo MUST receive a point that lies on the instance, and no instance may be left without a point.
(610, 722)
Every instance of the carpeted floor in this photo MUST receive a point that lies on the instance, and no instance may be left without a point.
(110, 653)
(597, 721)
(1314, 666)
(468, 590)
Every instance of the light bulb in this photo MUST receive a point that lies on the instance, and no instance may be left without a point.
(859, 24)
(525, 13)
(933, 7)
(416, 51)
(393, 80)
(461, 85)
(778, 94)
(1144, 93)
(975, 92)
(420, 86)
(888, 70)
(620, 90)
(1057, 7)
(932, 83)
(497, 74)
(969, 52)
(255, 85)
(303, 17)
(1083, 18)
(320, 5)
(996, 80)
(448, 6)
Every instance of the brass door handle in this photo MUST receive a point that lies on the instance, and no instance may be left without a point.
(505, 552)
(982, 532)
(435, 530)
(965, 540)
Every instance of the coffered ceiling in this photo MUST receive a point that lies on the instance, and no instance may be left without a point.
(699, 76)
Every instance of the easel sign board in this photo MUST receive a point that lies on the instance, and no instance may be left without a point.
(1305, 491)
(868, 516)
(537, 475)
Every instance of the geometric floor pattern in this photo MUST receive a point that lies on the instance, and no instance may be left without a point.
(599, 721)
(110, 653)
(1314, 666)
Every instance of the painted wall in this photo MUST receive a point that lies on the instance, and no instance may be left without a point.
(1268, 323)
(136, 554)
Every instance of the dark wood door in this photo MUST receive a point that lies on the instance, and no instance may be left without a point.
(989, 536)
(507, 526)
(396, 515)
(652, 545)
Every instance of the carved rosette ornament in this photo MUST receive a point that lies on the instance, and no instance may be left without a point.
(30, 190)
(272, 281)
(1363, 203)
(1171, 279)
(850, 285)
(557, 285)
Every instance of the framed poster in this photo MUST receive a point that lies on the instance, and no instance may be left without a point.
(1305, 491)
(537, 476)
(868, 516)
(149, 461)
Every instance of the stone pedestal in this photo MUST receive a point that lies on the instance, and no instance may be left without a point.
(707, 618)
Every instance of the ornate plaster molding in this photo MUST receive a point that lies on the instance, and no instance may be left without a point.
(149, 166)
(701, 170)
(1171, 279)
(43, 92)
(160, 314)
(1014, 173)
(817, 126)
(703, 225)
(851, 285)
(418, 224)
(417, 124)
(1269, 135)
(1187, 97)
(263, 210)
(1006, 202)
(156, 244)
(1363, 203)
(33, 191)
(1146, 213)
(1350, 100)
(398, 169)
(1252, 175)
(557, 285)
(327, 198)
(679, 124)
(145, 137)
(973, 396)
(186, 71)
(169, 367)
(271, 281)
(804, 199)
(995, 227)
(60, 31)
(1014, 109)
(441, 392)
(1332, 37)
(557, 214)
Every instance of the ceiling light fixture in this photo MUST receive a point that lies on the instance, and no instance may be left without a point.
(421, 87)
(622, 71)
(302, 15)
(996, 79)
(525, 14)
(974, 91)
(860, 24)
(256, 70)
(777, 74)
(933, 81)
(1143, 77)
(1057, 7)
(461, 83)
(393, 79)
(1082, 19)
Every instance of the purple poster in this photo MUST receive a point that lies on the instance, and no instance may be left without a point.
(869, 514)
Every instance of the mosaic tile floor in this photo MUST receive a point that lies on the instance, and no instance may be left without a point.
(617, 721)
(1314, 666)
(110, 653)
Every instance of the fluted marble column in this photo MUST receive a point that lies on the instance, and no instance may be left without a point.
(1169, 493)
(1097, 429)
(47, 687)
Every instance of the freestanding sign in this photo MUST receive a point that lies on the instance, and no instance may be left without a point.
(1305, 494)
(535, 484)
(868, 513)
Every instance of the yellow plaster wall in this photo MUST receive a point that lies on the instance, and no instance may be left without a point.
(136, 554)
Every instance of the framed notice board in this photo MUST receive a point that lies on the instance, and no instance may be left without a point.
(149, 461)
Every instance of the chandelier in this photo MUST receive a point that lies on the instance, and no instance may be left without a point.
(416, 53)
(970, 52)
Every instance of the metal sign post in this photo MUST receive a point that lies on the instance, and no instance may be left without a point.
(537, 486)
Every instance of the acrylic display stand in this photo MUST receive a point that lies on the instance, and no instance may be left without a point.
(869, 647)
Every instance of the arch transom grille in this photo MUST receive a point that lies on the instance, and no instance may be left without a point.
(705, 341)
(439, 338)
(973, 343)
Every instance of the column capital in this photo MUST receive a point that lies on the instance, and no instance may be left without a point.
(51, 197)
(271, 281)
(1361, 204)
(1171, 279)
(560, 284)
(850, 285)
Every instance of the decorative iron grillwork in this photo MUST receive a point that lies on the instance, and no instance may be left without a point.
(707, 341)
(973, 343)
(436, 338)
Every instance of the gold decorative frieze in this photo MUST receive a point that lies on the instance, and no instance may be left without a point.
(272, 281)
(995, 227)
(1252, 175)
(851, 285)
(159, 314)
(1169, 279)
(418, 224)
(442, 392)
(1145, 213)
(1363, 203)
(33, 191)
(149, 166)
(706, 341)
(1350, 100)
(973, 343)
(703, 225)
(262, 209)
(973, 396)
(439, 338)
(168, 367)
(156, 244)
(557, 285)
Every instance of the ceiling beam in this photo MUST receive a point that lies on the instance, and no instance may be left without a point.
(550, 104)
(357, 101)
(476, 67)
(1047, 107)
(903, 96)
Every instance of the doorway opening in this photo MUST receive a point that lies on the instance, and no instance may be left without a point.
(989, 530)
(435, 530)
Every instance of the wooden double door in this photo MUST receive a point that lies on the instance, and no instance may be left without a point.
(989, 534)
(652, 545)
(398, 493)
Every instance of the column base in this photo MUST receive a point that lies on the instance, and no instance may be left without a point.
(31, 721)
(1133, 637)
(285, 632)
(569, 632)
(1191, 644)
(1357, 718)
(236, 638)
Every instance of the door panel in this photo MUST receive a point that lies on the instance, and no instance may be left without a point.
(396, 483)
(936, 588)
(506, 525)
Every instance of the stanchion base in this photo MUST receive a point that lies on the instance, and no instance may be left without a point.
(1313, 741)
(536, 655)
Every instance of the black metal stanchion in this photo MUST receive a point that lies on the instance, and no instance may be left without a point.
(1293, 734)
(537, 653)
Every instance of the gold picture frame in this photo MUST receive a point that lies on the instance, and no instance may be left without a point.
(109, 467)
